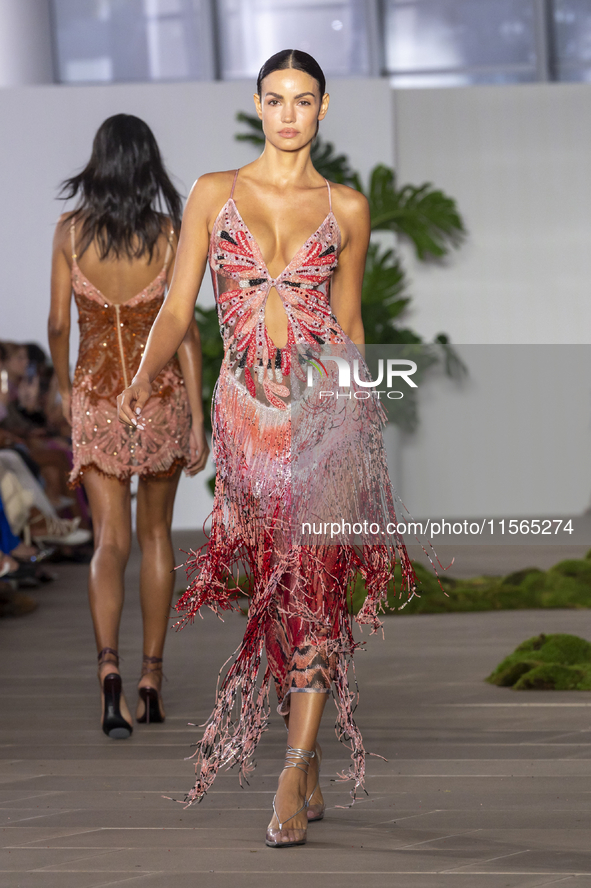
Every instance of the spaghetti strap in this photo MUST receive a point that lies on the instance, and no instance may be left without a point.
(234, 184)
(329, 196)
(168, 253)
(73, 240)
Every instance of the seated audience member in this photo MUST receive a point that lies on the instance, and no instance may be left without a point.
(28, 508)
(24, 424)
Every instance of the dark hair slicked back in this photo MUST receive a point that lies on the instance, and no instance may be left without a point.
(293, 58)
(124, 191)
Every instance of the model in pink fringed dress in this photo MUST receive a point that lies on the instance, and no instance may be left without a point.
(284, 458)
(289, 460)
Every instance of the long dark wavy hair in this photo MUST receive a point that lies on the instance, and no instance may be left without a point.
(124, 191)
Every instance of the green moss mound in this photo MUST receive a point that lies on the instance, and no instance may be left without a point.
(566, 584)
(546, 662)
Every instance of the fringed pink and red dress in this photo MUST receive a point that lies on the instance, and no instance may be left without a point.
(291, 460)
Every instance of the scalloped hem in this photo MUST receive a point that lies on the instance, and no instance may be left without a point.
(178, 462)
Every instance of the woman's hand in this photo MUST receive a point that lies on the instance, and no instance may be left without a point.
(199, 449)
(66, 398)
(131, 401)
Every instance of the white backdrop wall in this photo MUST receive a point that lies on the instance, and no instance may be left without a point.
(517, 161)
(47, 134)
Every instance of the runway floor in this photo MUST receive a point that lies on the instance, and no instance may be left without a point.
(483, 788)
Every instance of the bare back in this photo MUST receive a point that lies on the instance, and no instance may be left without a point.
(118, 279)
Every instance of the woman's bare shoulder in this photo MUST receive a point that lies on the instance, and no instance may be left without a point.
(210, 192)
(351, 209)
(62, 237)
(348, 200)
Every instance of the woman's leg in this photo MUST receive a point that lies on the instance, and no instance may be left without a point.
(295, 785)
(110, 505)
(298, 652)
(155, 502)
(313, 790)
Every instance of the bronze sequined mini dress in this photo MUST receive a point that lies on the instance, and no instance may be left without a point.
(112, 340)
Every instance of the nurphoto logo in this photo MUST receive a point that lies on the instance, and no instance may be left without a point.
(396, 369)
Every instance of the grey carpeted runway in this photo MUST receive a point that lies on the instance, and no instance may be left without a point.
(483, 788)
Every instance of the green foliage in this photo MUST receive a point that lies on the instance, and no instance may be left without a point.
(554, 677)
(334, 167)
(546, 662)
(426, 216)
(565, 585)
(384, 284)
(254, 133)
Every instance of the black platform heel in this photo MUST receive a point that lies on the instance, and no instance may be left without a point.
(114, 725)
(151, 698)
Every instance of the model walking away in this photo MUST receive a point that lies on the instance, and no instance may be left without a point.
(115, 251)
(287, 254)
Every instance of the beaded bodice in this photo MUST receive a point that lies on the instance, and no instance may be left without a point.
(242, 283)
(112, 337)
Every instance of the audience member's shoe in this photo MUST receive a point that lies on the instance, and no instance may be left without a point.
(37, 555)
(62, 502)
(22, 552)
(7, 565)
(60, 532)
(11, 569)
(21, 572)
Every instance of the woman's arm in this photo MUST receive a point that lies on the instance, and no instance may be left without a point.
(173, 320)
(58, 326)
(353, 216)
(191, 361)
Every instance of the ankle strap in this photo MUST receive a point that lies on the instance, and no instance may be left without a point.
(293, 755)
(151, 664)
(108, 655)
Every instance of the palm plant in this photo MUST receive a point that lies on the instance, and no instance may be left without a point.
(423, 215)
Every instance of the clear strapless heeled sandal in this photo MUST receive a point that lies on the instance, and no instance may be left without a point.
(282, 837)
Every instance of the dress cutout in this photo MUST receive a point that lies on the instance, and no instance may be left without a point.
(281, 456)
(112, 339)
